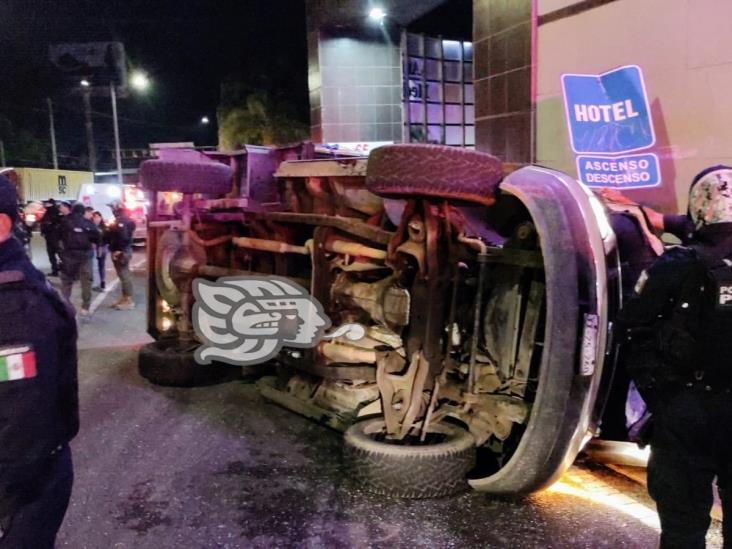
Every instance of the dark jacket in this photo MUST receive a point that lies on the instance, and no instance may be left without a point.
(38, 411)
(78, 234)
(22, 232)
(51, 223)
(120, 234)
(657, 292)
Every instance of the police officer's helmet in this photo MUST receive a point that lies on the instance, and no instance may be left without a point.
(710, 196)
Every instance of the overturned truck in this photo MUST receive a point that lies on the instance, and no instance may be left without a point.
(486, 298)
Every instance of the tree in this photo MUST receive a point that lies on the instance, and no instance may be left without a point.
(256, 117)
(23, 147)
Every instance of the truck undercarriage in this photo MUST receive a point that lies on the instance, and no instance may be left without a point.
(485, 300)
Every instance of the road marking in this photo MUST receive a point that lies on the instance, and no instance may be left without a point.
(102, 296)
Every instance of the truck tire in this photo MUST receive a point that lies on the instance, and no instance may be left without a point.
(186, 177)
(424, 471)
(397, 171)
(166, 363)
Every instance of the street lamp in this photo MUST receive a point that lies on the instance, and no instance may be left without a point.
(85, 83)
(139, 81)
(205, 120)
(377, 15)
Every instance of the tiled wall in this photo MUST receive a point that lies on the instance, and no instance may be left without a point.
(503, 102)
(355, 88)
(314, 87)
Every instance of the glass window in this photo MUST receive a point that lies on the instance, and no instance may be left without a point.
(452, 50)
(468, 72)
(454, 114)
(434, 91)
(415, 90)
(470, 135)
(416, 113)
(453, 93)
(434, 134)
(453, 135)
(432, 69)
(432, 48)
(469, 94)
(414, 44)
(434, 114)
(416, 134)
(416, 67)
(438, 91)
(452, 71)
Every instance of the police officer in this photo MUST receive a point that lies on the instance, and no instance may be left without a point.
(38, 395)
(119, 237)
(679, 332)
(51, 231)
(635, 227)
(78, 237)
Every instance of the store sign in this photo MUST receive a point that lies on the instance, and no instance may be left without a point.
(364, 147)
(623, 172)
(608, 115)
(101, 63)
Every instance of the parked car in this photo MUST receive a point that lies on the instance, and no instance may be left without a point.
(487, 297)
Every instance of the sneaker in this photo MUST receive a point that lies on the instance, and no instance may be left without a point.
(118, 302)
(83, 312)
(99, 289)
(53, 274)
(125, 304)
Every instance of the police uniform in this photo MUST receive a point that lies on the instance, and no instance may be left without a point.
(636, 253)
(38, 401)
(679, 335)
(77, 236)
(120, 237)
(51, 231)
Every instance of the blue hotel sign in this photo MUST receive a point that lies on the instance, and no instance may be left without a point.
(608, 115)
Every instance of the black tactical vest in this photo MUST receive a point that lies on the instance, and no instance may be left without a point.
(695, 337)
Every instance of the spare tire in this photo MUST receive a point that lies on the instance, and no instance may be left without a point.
(186, 177)
(167, 362)
(416, 471)
(398, 171)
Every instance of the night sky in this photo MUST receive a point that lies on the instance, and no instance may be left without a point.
(187, 48)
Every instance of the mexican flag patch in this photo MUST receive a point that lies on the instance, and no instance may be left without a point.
(17, 363)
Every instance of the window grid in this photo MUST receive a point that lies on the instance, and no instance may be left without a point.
(438, 98)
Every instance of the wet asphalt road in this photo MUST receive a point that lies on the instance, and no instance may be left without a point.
(219, 466)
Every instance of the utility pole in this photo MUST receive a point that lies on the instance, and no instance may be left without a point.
(113, 95)
(2, 153)
(53, 134)
(89, 131)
